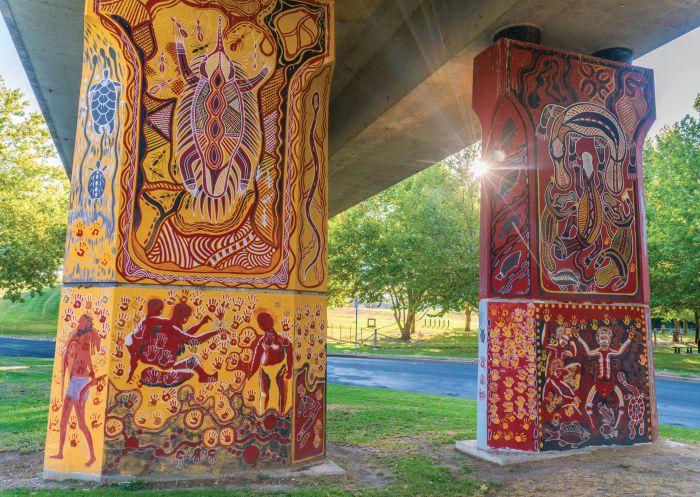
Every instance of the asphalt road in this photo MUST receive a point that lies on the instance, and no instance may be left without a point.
(678, 401)
(18, 347)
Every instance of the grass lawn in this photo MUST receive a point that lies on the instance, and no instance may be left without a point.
(392, 423)
(36, 317)
(25, 386)
(434, 337)
(666, 360)
(459, 345)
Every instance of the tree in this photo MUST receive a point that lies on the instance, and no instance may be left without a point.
(33, 200)
(672, 183)
(415, 243)
(462, 165)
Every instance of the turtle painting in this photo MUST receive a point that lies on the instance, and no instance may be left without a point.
(103, 97)
(219, 128)
(97, 182)
(635, 406)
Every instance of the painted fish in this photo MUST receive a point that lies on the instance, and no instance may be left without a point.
(572, 434)
(509, 263)
(509, 181)
(566, 278)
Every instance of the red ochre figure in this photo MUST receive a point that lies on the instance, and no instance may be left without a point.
(564, 349)
(77, 362)
(158, 342)
(273, 359)
(557, 392)
(605, 382)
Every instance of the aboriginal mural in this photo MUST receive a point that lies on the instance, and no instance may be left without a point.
(563, 360)
(74, 440)
(202, 137)
(199, 177)
(512, 378)
(593, 376)
(187, 381)
(562, 198)
(213, 382)
(565, 376)
(90, 246)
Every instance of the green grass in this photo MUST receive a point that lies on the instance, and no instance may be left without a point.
(413, 476)
(25, 385)
(374, 417)
(36, 317)
(448, 344)
(666, 360)
(434, 337)
(679, 434)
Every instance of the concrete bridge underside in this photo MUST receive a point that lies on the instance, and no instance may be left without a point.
(401, 97)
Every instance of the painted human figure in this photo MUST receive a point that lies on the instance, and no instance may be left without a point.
(564, 349)
(103, 97)
(81, 344)
(583, 230)
(557, 388)
(159, 342)
(152, 322)
(605, 383)
(273, 360)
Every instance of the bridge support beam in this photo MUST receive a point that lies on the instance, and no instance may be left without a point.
(191, 337)
(565, 356)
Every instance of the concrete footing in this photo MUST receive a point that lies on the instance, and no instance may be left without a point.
(506, 457)
(327, 468)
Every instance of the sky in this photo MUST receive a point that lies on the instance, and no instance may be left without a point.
(677, 75)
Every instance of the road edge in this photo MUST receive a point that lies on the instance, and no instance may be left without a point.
(662, 375)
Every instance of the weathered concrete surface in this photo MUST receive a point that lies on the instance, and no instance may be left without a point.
(402, 87)
(508, 457)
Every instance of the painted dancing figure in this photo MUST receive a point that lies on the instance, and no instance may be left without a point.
(273, 359)
(135, 339)
(160, 342)
(605, 382)
(77, 362)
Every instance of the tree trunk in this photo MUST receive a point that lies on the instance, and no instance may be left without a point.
(676, 331)
(408, 326)
(697, 328)
(468, 316)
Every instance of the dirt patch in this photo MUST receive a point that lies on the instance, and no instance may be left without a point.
(357, 462)
(664, 468)
(22, 471)
(25, 471)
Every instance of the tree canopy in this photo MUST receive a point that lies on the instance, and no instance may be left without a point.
(672, 183)
(416, 243)
(33, 200)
